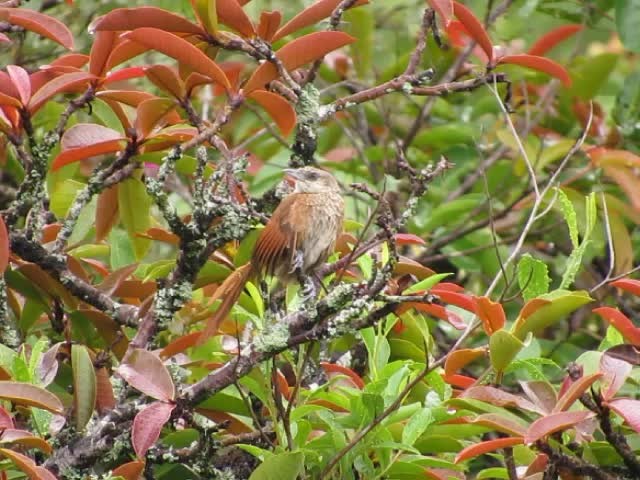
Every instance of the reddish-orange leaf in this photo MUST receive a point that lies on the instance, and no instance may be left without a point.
(178, 48)
(153, 113)
(310, 16)
(180, 344)
(122, 19)
(541, 64)
(133, 98)
(4, 246)
(500, 398)
(196, 79)
(575, 391)
(437, 311)
(109, 285)
(63, 83)
(297, 53)
(485, 447)
(554, 422)
(627, 181)
(550, 39)
(105, 399)
(98, 266)
(20, 79)
(532, 306)
(25, 439)
(628, 409)
(30, 395)
(602, 157)
(444, 8)
(144, 371)
(332, 370)
(106, 212)
(130, 471)
(123, 51)
(628, 284)
(108, 329)
(39, 23)
(77, 60)
(454, 298)
(85, 140)
(232, 15)
(490, 313)
(147, 426)
(408, 239)
(167, 79)
(7, 86)
(6, 420)
(103, 45)
(76, 154)
(460, 381)
(458, 359)
(474, 28)
(278, 109)
(269, 23)
(24, 463)
(8, 100)
(233, 424)
(621, 322)
(497, 422)
(123, 74)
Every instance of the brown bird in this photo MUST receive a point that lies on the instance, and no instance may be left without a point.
(298, 238)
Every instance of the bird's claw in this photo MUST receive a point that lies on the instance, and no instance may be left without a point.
(297, 262)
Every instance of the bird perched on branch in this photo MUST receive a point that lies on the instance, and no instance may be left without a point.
(298, 239)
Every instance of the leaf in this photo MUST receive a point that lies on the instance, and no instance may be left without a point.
(533, 277)
(621, 322)
(541, 64)
(575, 391)
(123, 51)
(20, 79)
(269, 23)
(4, 246)
(166, 78)
(84, 385)
(417, 425)
(130, 470)
(106, 212)
(152, 113)
(123, 74)
(621, 243)
(206, 12)
(554, 422)
(122, 19)
(444, 8)
(627, 15)
(332, 370)
(426, 284)
(283, 466)
(39, 23)
(232, 15)
(147, 426)
(499, 398)
(297, 53)
(485, 447)
(134, 207)
(178, 48)
(408, 239)
(278, 109)
(105, 399)
(615, 372)
(490, 313)
(547, 309)
(458, 359)
(627, 284)
(474, 28)
(63, 83)
(23, 438)
(30, 395)
(311, 15)
(103, 44)
(550, 39)
(85, 140)
(541, 393)
(628, 409)
(499, 423)
(144, 371)
(26, 465)
(503, 348)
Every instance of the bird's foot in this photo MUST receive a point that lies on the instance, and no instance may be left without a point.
(297, 261)
(309, 290)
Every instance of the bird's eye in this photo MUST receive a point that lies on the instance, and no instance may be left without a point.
(312, 176)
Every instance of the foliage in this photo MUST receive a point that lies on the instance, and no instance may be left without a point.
(477, 316)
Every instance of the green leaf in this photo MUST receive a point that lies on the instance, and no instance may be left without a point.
(570, 217)
(533, 277)
(134, 205)
(574, 262)
(84, 385)
(416, 426)
(361, 24)
(427, 283)
(63, 195)
(626, 113)
(592, 74)
(282, 466)
(503, 348)
(121, 251)
(627, 21)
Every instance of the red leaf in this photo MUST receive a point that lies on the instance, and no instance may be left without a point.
(310, 16)
(554, 423)
(130, 471)
(474, 28)
(486, 447)
(532, 306)
(106, 212)
(628, 284)
(232, 15)
(26, 465)
(458, 359)
(123, 51)
(133, 98)
(621, 323)
(147, 426)
(628, 409)
(105, 399)
(444, 8)
(6, 421)
(616, 372)
(124, 74)
(490, 313)
(4, 246)
(269, 23)
(122, 19)
(437, 311)
(39, 23)
(151, 113)
(454, 298)
(540, 64)
(408, 239)
(167, 79)
(178, 48)
(575, 391)
(500, 398)
(278, 109)
(77, 154)
(60, 84)
(85, 140)
(297, 53)
(144, 371)
(4, 38)
(103, 45)
(550, 39)
(77, 60)
(20, 79)
(331, 370)
(180, 344)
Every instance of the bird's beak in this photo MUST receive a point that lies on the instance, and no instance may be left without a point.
(292, 173)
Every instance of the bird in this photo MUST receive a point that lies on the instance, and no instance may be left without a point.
(297, 239)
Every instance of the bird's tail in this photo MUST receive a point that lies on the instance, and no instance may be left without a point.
(229, 292)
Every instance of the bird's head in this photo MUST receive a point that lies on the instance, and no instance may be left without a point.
(312, 180)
